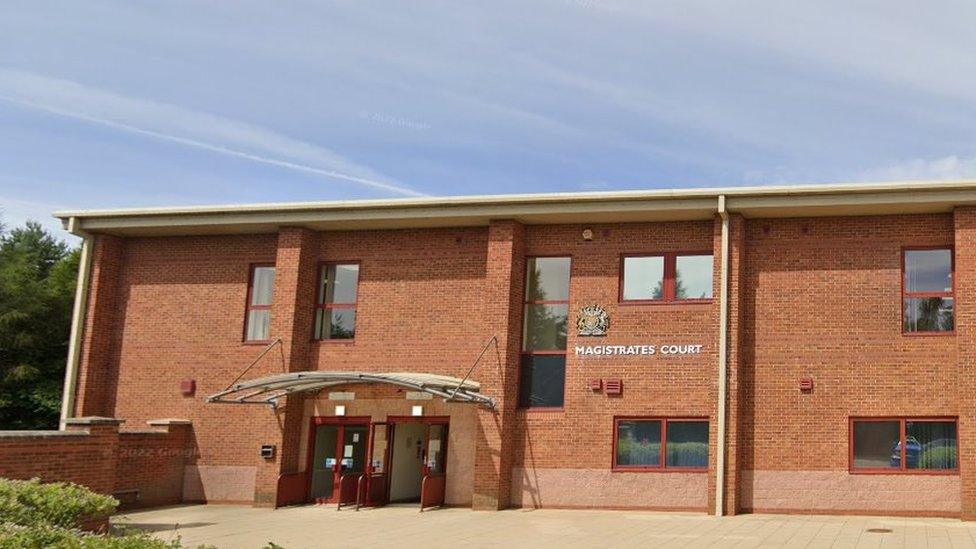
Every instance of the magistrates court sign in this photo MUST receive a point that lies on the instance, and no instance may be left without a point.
(638, 350)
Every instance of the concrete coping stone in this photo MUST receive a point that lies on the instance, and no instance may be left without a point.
(94, 420)
(143, 432)
(169, 421)
(44, 434)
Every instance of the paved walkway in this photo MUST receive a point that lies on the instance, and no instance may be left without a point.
(403, 527)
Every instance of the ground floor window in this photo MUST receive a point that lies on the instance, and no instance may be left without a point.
(643, 444)
(895, 445)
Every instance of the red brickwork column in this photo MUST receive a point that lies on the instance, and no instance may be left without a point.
(104, 438)
(965, 310)
(735, 392)
(96, 376)
(291, 320)
(504, 282)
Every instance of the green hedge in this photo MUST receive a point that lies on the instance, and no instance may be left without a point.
(29, 503)
(687, 454)
(34, 515)
(938, 457)
(44, 536)
(631, 452)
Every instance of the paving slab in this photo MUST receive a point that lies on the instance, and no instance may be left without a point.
(403, 527)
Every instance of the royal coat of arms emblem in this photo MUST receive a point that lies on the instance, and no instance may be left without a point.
(592, 320)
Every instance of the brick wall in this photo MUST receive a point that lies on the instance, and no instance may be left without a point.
(181, 313)
(579, 438)
(141, 468)
(809, 297)
(822, 299)
(964, 222)
(181, 316)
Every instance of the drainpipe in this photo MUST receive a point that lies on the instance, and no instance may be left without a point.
(723, 343)
(77, 321)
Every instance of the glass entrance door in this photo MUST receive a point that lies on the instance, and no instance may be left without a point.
(324, 462)
(338, 451)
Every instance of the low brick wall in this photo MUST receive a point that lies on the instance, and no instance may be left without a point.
(141, 468)
(602, 488)
(841, 492)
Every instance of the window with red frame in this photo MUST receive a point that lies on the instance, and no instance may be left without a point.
(927, 290)
(542, 372)
(260, 290)
(663, 278)
(893, 445)
(335, 314)
(660, 443)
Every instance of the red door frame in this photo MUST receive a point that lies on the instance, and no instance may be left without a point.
(392, 421)
(340, 421)
(370, 468)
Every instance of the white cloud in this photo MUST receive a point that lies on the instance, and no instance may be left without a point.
(948, 167)
(190, 128)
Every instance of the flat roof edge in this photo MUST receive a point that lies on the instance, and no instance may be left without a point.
(475, 210)
(598, 196)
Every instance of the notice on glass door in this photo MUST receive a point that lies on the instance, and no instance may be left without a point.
(347, 451)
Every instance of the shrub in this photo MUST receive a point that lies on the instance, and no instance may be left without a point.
(688, 454)
(44, 536)
(65, 505)
(938, 457)
(632, 452)
(37, 516)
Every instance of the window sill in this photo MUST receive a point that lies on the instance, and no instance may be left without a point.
(659, 470)
(659, 303)
(262, 342)
(335, 341)
(916, 472)
(929, 334)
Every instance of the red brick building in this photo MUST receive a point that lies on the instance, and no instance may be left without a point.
(771, 349)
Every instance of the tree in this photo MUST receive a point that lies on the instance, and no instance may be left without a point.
(37, 282)
(545, 324)
(928, 314)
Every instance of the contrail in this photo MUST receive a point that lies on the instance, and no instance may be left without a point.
(245, 133)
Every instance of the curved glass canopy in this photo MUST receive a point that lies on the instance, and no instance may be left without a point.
(268, 389)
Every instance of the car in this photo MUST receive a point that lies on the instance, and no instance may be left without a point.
(913, 450)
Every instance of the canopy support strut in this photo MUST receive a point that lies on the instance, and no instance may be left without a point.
(494, 339)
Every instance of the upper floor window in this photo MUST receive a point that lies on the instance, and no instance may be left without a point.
(654, 444)
(904, 445)
(927, 291)
(670, 277)
(259, 294)
(546, 310)
(335, 314)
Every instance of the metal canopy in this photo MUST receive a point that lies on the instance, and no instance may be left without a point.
(267, 390)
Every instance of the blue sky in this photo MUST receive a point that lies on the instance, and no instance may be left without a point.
(115, 104)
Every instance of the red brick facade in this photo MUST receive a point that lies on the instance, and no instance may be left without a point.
(808, 297)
